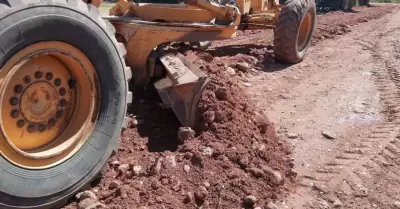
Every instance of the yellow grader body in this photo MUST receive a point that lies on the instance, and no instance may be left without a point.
(65, 72)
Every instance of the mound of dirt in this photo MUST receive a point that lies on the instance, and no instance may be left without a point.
(234, 160)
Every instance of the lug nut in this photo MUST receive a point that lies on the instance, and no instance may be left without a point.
(38, 74)
(15, 113)
(20, 123)
(31, 128)
(52, 122)
(27, 79)
(62, 91)
(18, 89)
(42, 127)
(49, 76)
(57, 82)
(59, 113)
(14, 101)
(63, 102)
(71, 83)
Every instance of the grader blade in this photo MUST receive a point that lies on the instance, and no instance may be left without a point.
(182, 87)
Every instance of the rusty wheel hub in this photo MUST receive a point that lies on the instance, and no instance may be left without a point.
(42, 123)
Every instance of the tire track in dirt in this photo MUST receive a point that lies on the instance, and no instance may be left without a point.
(351, 176)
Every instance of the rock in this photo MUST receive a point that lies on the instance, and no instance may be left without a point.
(86, 203)
(250, 200)
(137, 169)
(329, 135)
(257, 208)
(271, 205)
(177, 186)
(115, 184)
(156, 167)
(207, 184)
(321, 187)
(188, 198)
(159, 199)
(233, 174)
(396, 204)
(123, 168)
(96, 205)
(185, 133)
(197, 160)
(292, 135)
(322, 204)
(338, 204)
(243, 66)
(171, 161)
(277, 176)
(186, 168)
(201, 194)
(120, 192)
(164, 181)
(86, 194)
(222, 93)
(115, 163)
(256, 172)
(230, 71)
(209, 116)
(208, 151)
(155, 185)
(246, 84)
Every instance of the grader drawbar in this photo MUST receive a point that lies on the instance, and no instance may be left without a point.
(65, 71)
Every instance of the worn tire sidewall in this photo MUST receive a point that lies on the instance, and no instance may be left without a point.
(22, 26)
(310, 8)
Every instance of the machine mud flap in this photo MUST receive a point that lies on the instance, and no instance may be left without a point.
(182, 87)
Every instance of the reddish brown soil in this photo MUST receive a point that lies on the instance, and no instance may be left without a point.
(243, 143)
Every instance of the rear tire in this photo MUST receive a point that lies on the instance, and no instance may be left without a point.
(24, 23)
(294, 30)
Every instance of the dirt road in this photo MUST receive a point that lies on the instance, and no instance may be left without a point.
(347, 88)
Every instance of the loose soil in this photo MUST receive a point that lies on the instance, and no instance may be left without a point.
(237, 151)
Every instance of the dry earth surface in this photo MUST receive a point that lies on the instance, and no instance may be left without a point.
(331, 138)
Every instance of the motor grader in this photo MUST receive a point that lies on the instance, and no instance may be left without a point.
(65, 71)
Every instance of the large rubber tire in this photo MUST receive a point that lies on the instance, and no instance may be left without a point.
(24, 22)
(288, 27)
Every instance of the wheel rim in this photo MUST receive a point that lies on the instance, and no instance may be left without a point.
(304, 32)
(49, 101)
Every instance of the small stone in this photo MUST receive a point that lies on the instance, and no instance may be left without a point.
(321, 187)
(257, 208)
(323, 204)
(171, 161)
(197, 160)
(115, 163)
(115, 184)
(156, 168)
(96, 205)
(188, 198)
(247, 84)
(250, 200)
(86, 194)
(137, 169)
(207, 151)
(277, 176)
(328, 134)
(164, 181)
(256, 172)
(185, 133)
(201, 194)
(123, 168)
(243, 66)
(338, 204)
(159, 199)
(271, 205)
(207, 184)
(209, 116)
(233, 174)
(222, 93)
(177, 187)
(155, 185)
(86, 203)
(186, 168)
(292, 135)
(396, 204)
(230, 71)
(137, 185)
